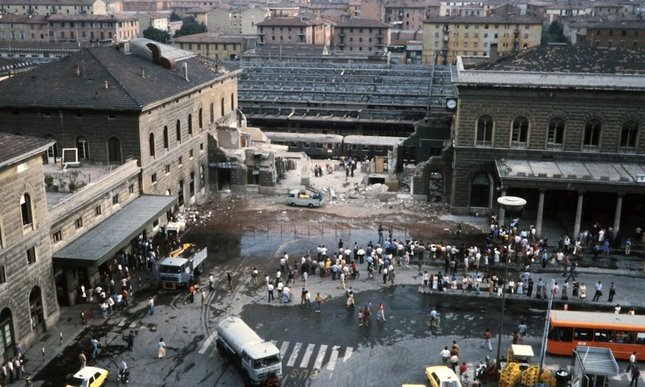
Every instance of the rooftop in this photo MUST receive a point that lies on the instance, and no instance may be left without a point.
(104, 78)
(87, 17)
(493, 19)
(17, 148)
(573, 59)
(209, 37)
(363, 23)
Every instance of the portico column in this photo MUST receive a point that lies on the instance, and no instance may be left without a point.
(502, 212)
(576, 227)
(540, 213)
(619, 210)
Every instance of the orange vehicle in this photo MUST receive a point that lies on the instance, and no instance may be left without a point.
(622, 333)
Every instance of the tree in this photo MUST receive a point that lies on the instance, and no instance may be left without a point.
(554, 33)
(156, 35)
(190, 27)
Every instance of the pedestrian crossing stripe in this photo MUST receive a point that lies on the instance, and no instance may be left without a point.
(300, 355)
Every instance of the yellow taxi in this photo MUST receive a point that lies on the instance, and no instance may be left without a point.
(88, 377)
(442, 376)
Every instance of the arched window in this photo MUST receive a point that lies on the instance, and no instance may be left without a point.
(151, 144)
(480, 190)
(114, 151)
(7, 339)
(484, 130)
(190, 124)
(592, 133)
(555, 132)
(165, 137)
(25, 209)
(629, 134)
(201, 118)
(178, 131)
(83, 148)
(520, 131)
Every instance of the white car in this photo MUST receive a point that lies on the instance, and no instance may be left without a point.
(88, 377)
(305, 198)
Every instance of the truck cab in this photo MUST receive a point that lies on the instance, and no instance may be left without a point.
(305, 197)
(181, 268)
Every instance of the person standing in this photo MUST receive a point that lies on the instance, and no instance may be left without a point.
(612, 292)
(636, 374)
(270, 291)
(380, 312)
(131, 340)
(454, 362)
(317, 302)
(598, 293)
(211, 282)
(463, 368)
(632, 361)
(445, 355)
(82, 359)
(161, 353)
(488, 335)
(151, 305)
(94, 346)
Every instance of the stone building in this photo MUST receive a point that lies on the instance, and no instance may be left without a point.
(212, 45)
(52, 7)
(294, 30)
(445, 38)
(566, 137)
(91, 28)
(362, 35)
(28, 303)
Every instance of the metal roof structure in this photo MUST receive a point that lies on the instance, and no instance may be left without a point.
(105, 239)
(597, 361)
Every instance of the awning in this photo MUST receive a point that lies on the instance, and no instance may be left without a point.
(104, 240)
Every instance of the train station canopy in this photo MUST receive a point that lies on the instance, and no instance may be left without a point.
(601, 176)
(108, 237)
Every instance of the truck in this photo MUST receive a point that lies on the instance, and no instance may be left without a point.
(259, 360)
(305, 197)
(182, 266)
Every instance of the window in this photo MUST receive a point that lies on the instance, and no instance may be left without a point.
(57, 236)
(624, 337)
(83, 148)
(201, 119)
(153, 178)
(180, 161)
(31, 255)
(592, 133)
(190, 124)
(97, 210)
(167, 169)
(25, 208)
(115, 199)
(190, 154)
(602, 335)
(484, 130)
(151, 144)
(221, 103)
(628, 134)
(131, 188)
(3, 275)
(212, 113)
(165, 137)
(201, 147)
(114, 150)
(583, 334)
(555, 132)
(232, 101)
(520, 130)
(78, 223)
(178, 130)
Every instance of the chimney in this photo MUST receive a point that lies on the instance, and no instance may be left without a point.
(186, 71)
(77, 70)
(106, 85)
(143, 73)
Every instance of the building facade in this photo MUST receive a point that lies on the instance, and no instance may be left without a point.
(294, 30)
(212, 46)
(24, 28)
(445, 38)
(362, 35)
(571, 144)
(52, 7)
(91, 28)
(28, 304)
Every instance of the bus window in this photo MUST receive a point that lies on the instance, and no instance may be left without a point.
(293, 145)
(640, 338)
(624, 337)
(306, 145)
(583, 334)
(561, 334)
(366, 147)
(602, 335)
(319, 145)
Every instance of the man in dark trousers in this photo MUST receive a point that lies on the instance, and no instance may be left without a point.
(636, 374)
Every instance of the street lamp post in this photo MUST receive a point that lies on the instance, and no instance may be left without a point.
(510, 204)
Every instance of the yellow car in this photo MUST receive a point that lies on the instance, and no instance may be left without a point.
(88, 377)
(442, 376)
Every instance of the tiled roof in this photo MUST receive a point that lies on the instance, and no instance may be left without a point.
(13, 18)
(493, 19)
(16, 148)
(619, 24)
(96, 18)
(573, 59)
(56, 85)
(285, 21)
(47, 2)
(208, 37)
(365, 23)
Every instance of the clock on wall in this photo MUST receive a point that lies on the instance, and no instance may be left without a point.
(451, 103)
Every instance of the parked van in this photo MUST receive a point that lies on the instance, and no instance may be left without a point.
(305, 197)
